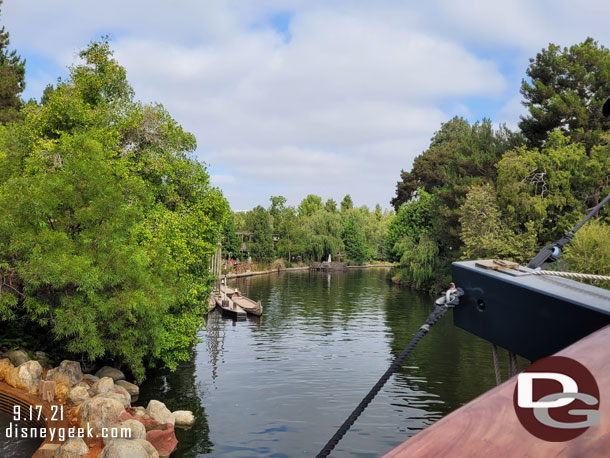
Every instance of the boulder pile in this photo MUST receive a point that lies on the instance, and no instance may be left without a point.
(102, 403)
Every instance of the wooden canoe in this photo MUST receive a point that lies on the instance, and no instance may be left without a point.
(229, 308)
(250, 306)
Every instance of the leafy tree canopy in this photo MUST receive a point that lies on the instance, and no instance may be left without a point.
(354, 241)
(330, 206)
(261, 248)
(108, 224)
(12, 80)
(310, 205)
(347, 203)
(565, 91)
(413, 219)
(459, 156)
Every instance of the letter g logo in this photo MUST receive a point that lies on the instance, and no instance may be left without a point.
(556, 399)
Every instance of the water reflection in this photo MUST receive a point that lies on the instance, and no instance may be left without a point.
(11, 447)
(281, 386)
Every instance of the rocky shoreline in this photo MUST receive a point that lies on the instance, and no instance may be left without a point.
(100, 404)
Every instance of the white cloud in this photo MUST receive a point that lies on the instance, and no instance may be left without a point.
(341, 107)
(220, 180)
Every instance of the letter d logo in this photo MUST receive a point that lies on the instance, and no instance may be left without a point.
(556, 399)
(525, 389)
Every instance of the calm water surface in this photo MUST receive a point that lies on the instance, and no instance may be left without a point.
(11, 447)
(280, 386)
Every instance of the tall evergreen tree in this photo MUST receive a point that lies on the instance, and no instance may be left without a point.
(261, 248)
(12, 80)
(354, 240)
(566, 90)
(347, 203)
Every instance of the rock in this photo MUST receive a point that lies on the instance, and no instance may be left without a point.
(123, 392)
(72, 448)
(61, 390)
(99, 412)
(122, 448)
(164, 440)
(67, 371)
(103, 385)
(26, 377)
(140, 412)
(133, 390)
(84, 384)
(93, 378)
(184, 418)
(152, 451)
(17, 357)
(77, 395)
(43, 359)
(158, 411)
(128, 429)
(111, 372)
(5, 367)
(122, 397)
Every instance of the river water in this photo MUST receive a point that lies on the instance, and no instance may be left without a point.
(12, 446)
(280, 386)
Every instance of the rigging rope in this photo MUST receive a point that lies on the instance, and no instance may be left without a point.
(494, 353)
(442, 304)
(577, 275)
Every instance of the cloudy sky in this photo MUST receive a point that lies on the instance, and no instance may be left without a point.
(296, 97)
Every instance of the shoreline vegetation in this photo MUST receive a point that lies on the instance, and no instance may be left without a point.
(300, 268)
(109, 220)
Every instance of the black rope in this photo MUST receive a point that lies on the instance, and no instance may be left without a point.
(439, 311)
(553, 251)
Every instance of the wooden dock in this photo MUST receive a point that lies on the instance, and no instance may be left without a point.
(328, 266)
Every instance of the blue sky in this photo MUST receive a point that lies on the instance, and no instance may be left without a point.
(298, 97)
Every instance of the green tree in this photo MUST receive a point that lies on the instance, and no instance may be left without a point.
(261, 246)
(12, 80)
(323, 236)
(292, 236)
(419, 262)
(276, 210)
(459, 157)
(310, 205)
(486, 235)
(565, 91)
(549, 187)
(413, 219)
(330, 206)
(230, 241)
(378, 212)
(347, 203)
(354, 241)
(589, 250)
(108, 224)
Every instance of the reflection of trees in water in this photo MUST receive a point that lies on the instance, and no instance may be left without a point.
(12, 447)
(323, 299)
(447, 369)
(214, 339)
(450, 363)
(179, 391)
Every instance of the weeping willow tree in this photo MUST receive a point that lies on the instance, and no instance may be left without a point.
(419, 261)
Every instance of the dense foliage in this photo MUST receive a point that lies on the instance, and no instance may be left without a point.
(12, 80)
(107, 224)
(495, 196)
(313, 231)
(565, 91)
